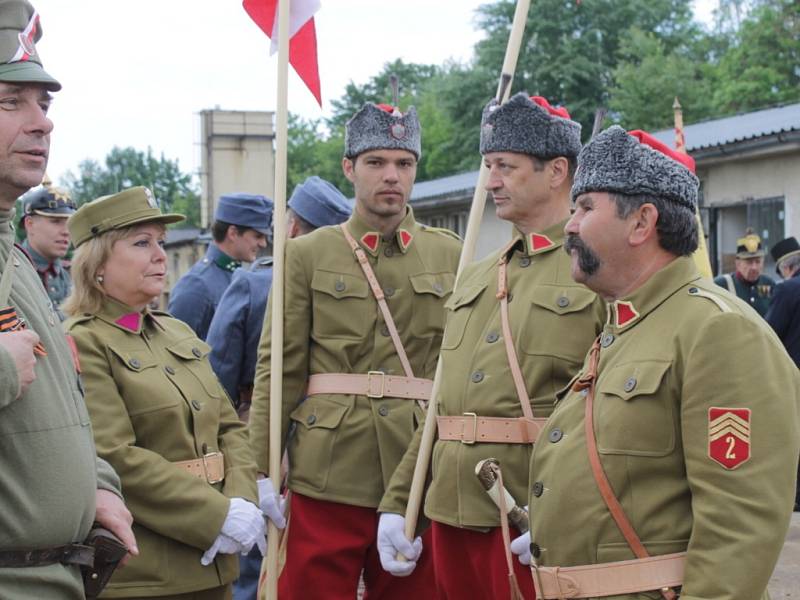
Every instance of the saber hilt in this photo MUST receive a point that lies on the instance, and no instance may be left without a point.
(486, 472)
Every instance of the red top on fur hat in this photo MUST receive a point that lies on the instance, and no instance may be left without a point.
(559, 112)
(386, 107)
(647, 139)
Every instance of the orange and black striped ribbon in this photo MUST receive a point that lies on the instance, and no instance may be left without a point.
(10, 321)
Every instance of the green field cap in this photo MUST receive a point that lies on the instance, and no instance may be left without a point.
(130, 207)
(20, 29)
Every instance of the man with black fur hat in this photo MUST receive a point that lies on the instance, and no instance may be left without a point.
(673, 468)
(502, 361)
(749, 281)
(364, 315)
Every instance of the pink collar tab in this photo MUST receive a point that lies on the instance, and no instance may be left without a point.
(131, 321)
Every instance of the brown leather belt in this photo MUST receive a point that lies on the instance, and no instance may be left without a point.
(70, 554)
(471, 428)
(654, 573)
(210, 467)
(374, 384)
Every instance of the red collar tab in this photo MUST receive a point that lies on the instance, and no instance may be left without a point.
(370, 241)
(538, 241)
(131, 321)
(561, 111)
(404, 238)
(625, 314)
(648, 140)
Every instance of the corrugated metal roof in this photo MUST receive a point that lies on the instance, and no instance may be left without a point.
(444, 186)
(177, 236)
(738, 128)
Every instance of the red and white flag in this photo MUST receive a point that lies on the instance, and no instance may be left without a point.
(302, 36)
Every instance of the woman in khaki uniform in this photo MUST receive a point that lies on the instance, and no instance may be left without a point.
(160, 416)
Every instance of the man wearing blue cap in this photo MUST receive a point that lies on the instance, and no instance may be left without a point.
(240, 229)
(236, 326)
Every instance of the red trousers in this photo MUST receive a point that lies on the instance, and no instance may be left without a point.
(471, 564)
(329, 545)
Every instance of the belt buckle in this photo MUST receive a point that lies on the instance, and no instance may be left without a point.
(370, 393)
(474, 428)
(205, 467)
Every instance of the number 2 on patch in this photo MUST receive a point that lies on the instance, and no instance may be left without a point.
(730, 454)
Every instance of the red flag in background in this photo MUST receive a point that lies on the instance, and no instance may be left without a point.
(302, 36)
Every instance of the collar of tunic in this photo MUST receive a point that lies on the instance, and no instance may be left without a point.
(222, 260)
(373, 242)
(42, 264)
(123, 317)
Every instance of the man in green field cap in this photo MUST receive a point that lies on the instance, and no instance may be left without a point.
(54, 486)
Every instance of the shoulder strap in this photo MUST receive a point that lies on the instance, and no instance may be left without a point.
(7, 277)
(363, 261)
(511, 353)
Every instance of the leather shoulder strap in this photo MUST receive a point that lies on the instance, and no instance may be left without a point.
(7, 277)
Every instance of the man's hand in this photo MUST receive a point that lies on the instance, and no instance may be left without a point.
(115, 516)
(392, 540)
(19, 344)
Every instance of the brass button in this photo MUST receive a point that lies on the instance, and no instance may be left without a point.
(525, 261)
(385, 330)
(492, 337)
(563, 301)
(389, 292)
(630, 384)
(196, 352)
(311, 419)
(134, 363)
(383, 410)
(536, 551)
(169, 370)
(477, 377)
(196, 405)
(538, 488)
(388, 251)
(606, 340)
(339, 286)
(437, 287)
(556, 435)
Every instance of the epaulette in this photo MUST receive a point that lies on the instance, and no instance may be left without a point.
(701, 293)
(160, 313)
(72, 321)
(442, 230)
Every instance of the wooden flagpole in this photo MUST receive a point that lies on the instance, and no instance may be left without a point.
(467, 253)
(278, 286)
(701, 258)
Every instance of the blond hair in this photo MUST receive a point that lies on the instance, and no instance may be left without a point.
(87, 294)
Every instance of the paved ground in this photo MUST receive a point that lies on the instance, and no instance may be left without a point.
(785, 582)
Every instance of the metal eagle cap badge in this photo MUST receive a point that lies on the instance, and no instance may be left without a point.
(729, 436)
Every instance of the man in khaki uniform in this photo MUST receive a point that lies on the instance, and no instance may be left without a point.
(360, 413)
(531, 150)
(666, 452)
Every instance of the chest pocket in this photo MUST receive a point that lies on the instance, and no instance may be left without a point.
(428, 315)
(634, 414)
(561, 322)
(342, 305)
(459, 307)
(191, 356)
(139, 381)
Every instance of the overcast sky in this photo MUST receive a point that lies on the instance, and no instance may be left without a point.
(137, 73)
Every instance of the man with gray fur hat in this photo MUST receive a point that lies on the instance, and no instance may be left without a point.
(673, 468)
(364, 315)
(502, 361)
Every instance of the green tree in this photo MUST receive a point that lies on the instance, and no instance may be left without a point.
(127, 167)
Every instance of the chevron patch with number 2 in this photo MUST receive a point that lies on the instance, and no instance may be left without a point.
(729, 436)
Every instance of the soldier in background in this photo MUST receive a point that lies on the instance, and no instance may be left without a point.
(236, 327)
(44, 219)
(679, 439)
(749, 282)
(240, 229)
(531, 150)
(360, 361)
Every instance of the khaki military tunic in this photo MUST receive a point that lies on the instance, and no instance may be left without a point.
(154, 400)
(553, 322)
(49, 470)
(345, 448)
(696, 419)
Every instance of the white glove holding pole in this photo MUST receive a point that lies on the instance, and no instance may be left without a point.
(272, 504)
(392, 540)
(222, 545)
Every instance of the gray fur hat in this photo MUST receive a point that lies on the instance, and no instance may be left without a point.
(635, 163)
(382, 127)
(529, 126)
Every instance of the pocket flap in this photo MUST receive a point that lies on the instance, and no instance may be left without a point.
(190, 349)
(134, 359)
(340, 285)
(464, 295)
(438, 284)
(634, 378)
(319, 414)
(562, 299)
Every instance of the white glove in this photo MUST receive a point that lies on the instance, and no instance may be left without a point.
(272, 504)
(222, 545)
(245, 524)
(521, 546)
(391, 540)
